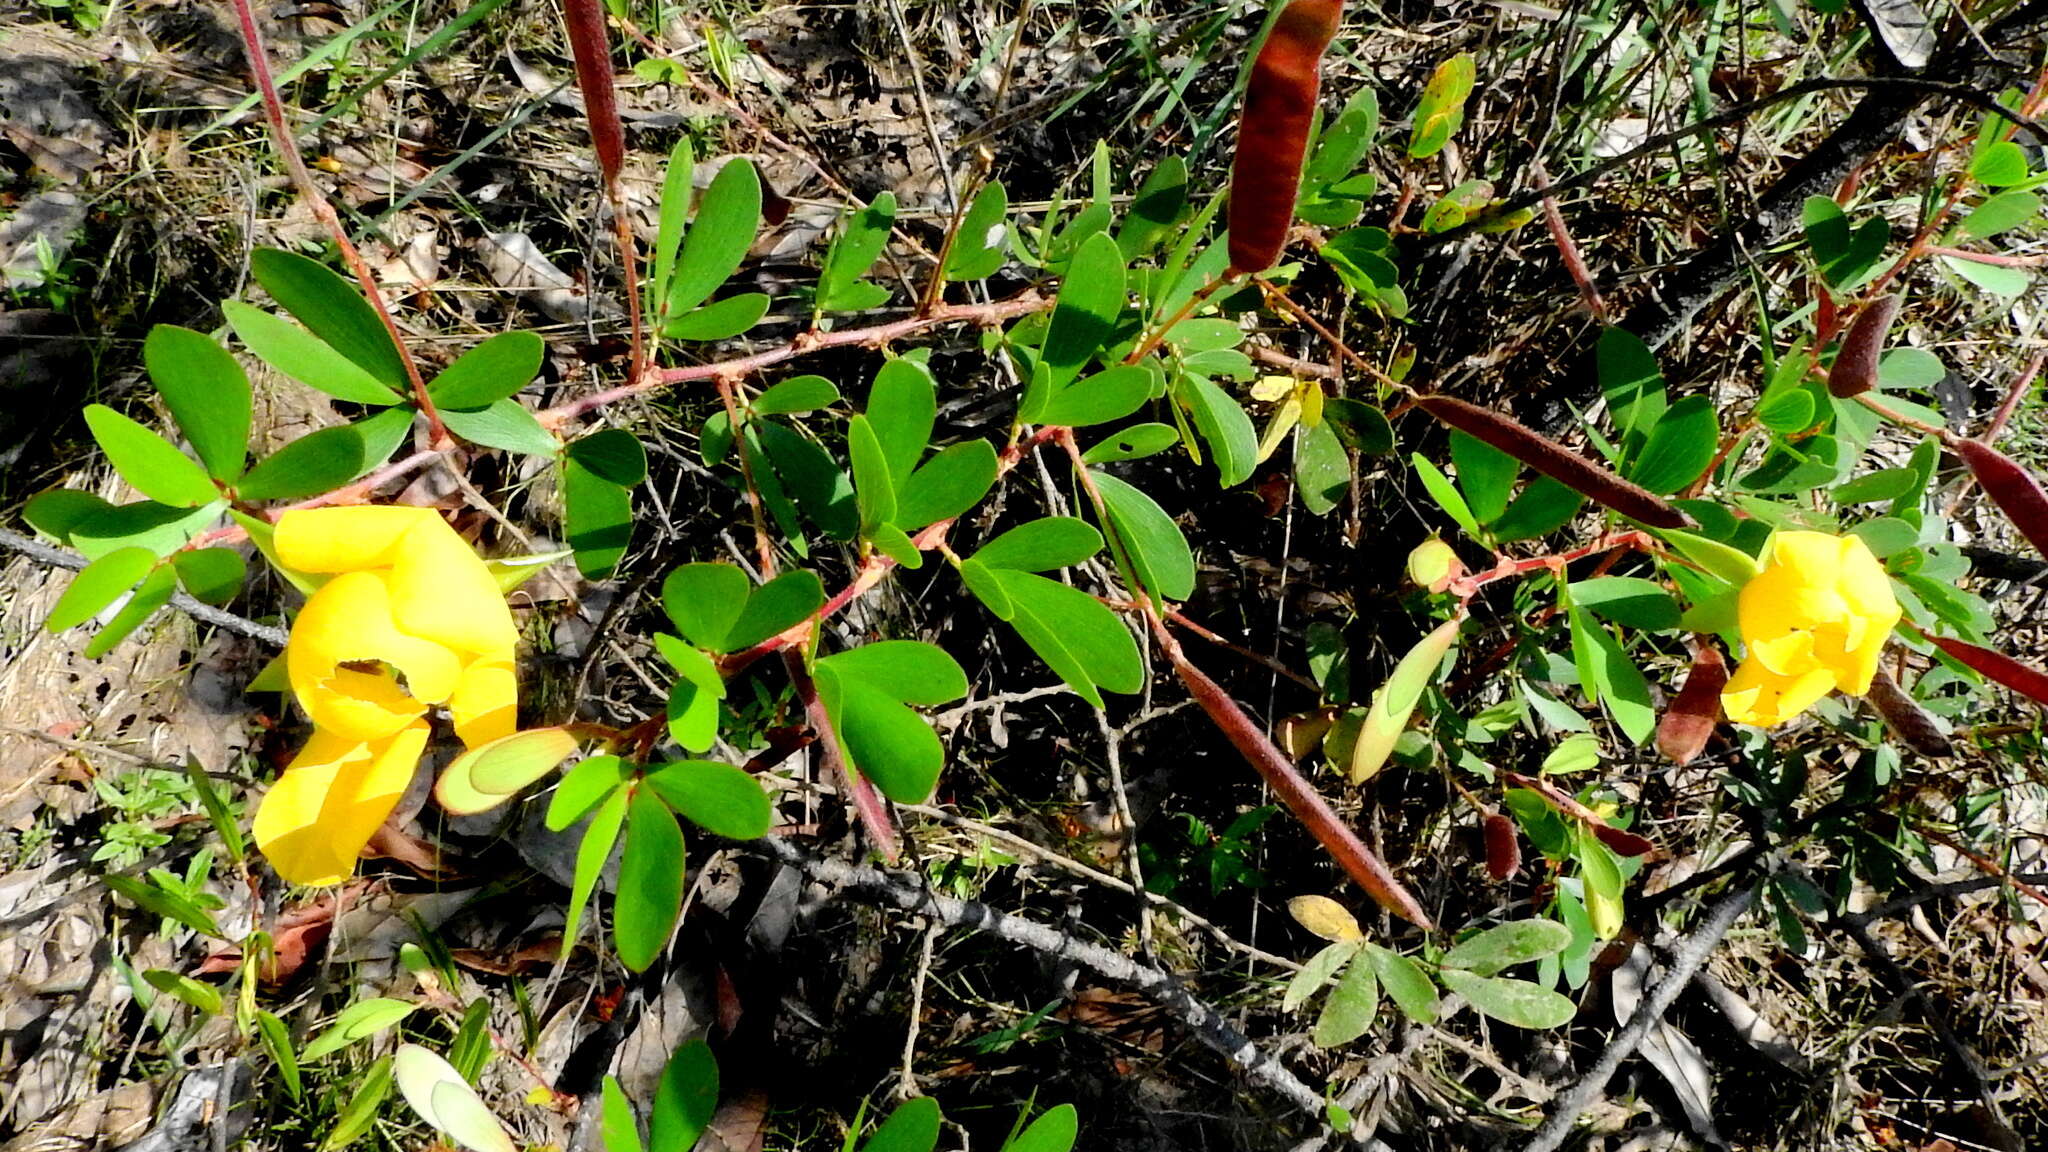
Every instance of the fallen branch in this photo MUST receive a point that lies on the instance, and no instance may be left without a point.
(44, 554)
(909, 893)
(1686, 959)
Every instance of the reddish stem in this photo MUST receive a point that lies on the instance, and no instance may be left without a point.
(868, 806)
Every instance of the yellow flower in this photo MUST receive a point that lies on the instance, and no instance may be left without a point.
(1814, 620)
(410, 619)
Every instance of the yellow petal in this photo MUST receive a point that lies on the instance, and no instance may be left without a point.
(485, 704)
(1864, 585)
(1814, 557)
(1756, 695)
(1271, 388)
(346, 539)
(314, 821)
(443, 592)
(349, 621)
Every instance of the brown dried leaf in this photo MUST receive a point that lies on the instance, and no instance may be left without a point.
(1689, 720)
(1854, 371)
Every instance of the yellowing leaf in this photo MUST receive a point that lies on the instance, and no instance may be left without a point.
(1396, 700)
(1272, 389)
(1324, 917)
(489, 774)
(445, 1100)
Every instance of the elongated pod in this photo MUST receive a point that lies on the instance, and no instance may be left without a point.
(1272, 132)
(1555, 461)
(2011, 487)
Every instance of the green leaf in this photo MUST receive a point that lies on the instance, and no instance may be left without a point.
(1681, 444)
(503, 424)
(719, 320)
(1723, 561)
(795, 395)
(1544, 506)
(489, 372)
(1902, 368)
(1042, 545)
(693, 699)
(204, 997)
(908, 670)
(584, 786)
(2000, 281)
(1359, 426)
(439, 1095)
(775, 607)
(491, 773)
(618, 1128)
(57, 512)
(853, 252)
(1349, 1011)
(813, 480)
(472, 1047)
(1387, 717)
(612, 453)
(873, 485)
(1322, 470)
(720, 798)
(207, 393)
(705, 601)
(650, 881)
(1055, 1131)
(359, 1021)
(718, 239)
(319, 461)
(1149, 543)
(1844, 255)
(1224, 426)
(592, 853)
(1486, 475)
(1076, 635)
(168, 905)
(2001, 213)
(1622, 687)
(983, 237)
(981, 580)
(1316, 974)
(1786, 412)
(211, 575)
(1133, 443)
(1405, 981)
(677, 185)
(372, 1088)
(1515, 1002)
(685, 1100)
(1505, 945)
(903, 407)
(951, 482)
(148, 461)
(2000, 164)
(100, 583)
(1345, 140)
(277, 1041)
(1110, 394)
(153, 593)
(332, 308)
(1441, 110)
(597, 520)
(1155, 209)
(1086, 312)
(159, 528)
(1446, 495)
(885, 741)
(1631, 382)
(913, 1127)
(1600, 873)
(1628, 600)
(1875, 487)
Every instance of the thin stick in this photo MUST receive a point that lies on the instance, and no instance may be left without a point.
(1686, 959)
(46, 555)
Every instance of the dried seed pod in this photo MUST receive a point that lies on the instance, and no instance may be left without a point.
(1620, 840)
(1906, 718)
(1854, 371)
(1308, 806)
(1996, 666)
(1556, 461)
(592, 50)
(1689, 720)
(2011, 487)
(1503, 847)
(1272, 132)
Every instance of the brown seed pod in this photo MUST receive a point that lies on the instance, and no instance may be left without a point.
(1854, 371)
(2011, 487)
(1688, 722)
(1906, 718)
(1503, 847)
(1301, 798)
(1620, 840)
(1996, 666)
(1272, 132)
(592, 50)
(1556, 461)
